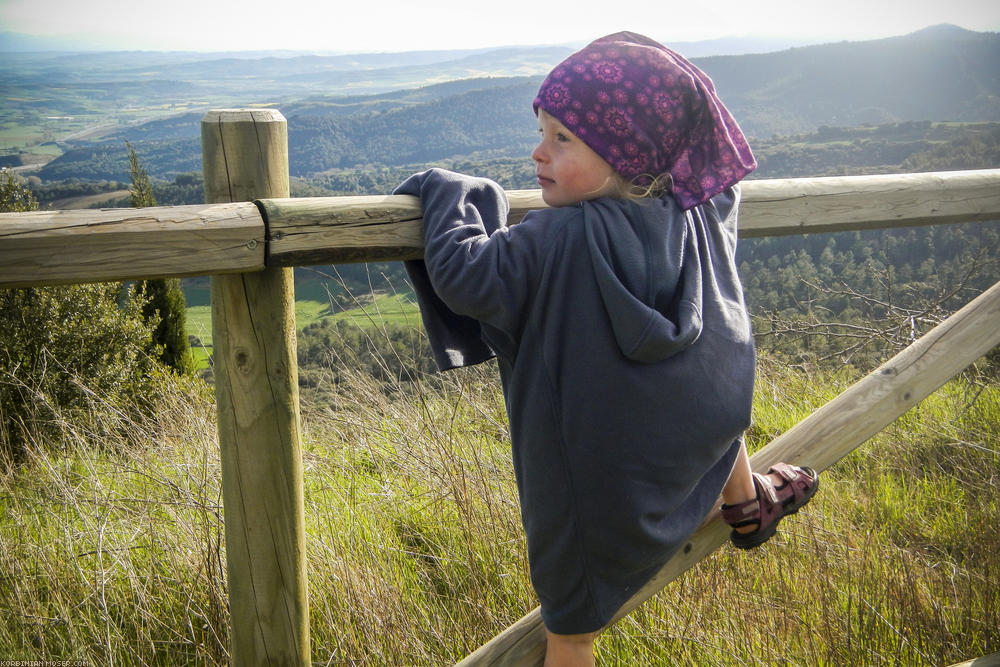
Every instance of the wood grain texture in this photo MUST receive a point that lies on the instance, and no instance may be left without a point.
(818, 441)
(256, 383)
(53, 247)
(343, 229)
(844, 203)
(388, 227)
(86, 246)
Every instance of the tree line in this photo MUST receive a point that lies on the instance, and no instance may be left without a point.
(844, 298)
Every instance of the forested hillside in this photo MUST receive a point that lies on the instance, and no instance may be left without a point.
(939, 74)
(482, 123)
(922, 102)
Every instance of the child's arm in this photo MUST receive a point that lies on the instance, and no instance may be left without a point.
(477, 266)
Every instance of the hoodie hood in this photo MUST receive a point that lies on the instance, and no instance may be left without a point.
(655, 306)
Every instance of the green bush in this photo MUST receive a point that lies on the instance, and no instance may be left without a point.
(164, 308)
(73, 355)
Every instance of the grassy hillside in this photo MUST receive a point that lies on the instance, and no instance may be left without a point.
(367, 313)
(416, 555)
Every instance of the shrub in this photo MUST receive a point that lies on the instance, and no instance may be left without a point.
(66, 350)
(72, 353)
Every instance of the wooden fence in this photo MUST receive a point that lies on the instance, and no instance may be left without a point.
(250, 232)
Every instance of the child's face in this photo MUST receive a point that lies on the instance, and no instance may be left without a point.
(568, 170)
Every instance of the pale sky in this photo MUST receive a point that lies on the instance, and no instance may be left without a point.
(401, 25)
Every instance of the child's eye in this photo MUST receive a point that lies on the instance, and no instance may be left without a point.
(561, 137)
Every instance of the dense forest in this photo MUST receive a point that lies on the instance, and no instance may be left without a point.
(922, 102)
(836, 298)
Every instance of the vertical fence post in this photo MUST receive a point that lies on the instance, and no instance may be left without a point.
(245, 157)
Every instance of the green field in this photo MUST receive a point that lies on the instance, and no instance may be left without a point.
(393, 309)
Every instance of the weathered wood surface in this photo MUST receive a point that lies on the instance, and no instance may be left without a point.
(992, 660)
(818, 441)
(168, 241)
(844, 203)
(342, 229)
(309, 230)
(256, 386)
(51, 247)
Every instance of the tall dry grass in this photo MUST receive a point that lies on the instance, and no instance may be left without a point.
(111, 553)
(114, 554)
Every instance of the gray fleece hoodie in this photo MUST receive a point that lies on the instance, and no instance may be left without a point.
(627, 364)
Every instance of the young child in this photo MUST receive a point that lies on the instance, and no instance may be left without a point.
(618, 322)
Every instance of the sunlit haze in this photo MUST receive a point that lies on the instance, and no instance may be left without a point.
(401, 25)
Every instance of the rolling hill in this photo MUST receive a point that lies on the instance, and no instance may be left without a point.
(937, 74)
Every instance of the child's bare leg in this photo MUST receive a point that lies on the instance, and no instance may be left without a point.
(569, 650)
(785, 490)
(740, 486)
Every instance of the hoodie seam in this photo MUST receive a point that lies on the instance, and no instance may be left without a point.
(578, 536)
(554, 396)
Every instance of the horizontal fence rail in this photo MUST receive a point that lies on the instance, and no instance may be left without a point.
(53, 247)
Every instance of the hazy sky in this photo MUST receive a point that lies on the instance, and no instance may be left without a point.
(398, 25)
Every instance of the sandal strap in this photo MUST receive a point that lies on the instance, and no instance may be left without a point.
(787, 472)
(765, 487)
(742, 514)
(799, 485)
(749, 511)
(771, 504)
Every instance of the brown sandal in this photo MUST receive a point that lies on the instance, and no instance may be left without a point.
(771, 504)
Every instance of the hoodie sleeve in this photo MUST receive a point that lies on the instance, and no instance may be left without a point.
(476, 270)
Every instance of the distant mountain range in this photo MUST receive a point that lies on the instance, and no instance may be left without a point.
(939, 73)
(482, 106)
(14, 42)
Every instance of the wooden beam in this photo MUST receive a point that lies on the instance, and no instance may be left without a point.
(52, 247)
(114, 244)
(992, 660)
(845, 203)
(245, 154)
(345, 229)
(326, 230)
(818, 441)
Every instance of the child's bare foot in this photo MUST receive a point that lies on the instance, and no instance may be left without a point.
(783, 491)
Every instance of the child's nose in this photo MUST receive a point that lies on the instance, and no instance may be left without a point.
(538, 155)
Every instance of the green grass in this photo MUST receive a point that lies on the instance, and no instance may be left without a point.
(416, 554)
(396, 309)
(367, 313)
(198, 322)
(14, 137)
(389, 308)
(202, 357)
(307, 312)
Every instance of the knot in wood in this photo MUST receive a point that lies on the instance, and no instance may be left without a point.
(243, 360)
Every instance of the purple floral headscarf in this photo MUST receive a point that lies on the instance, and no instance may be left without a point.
(648, 111)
